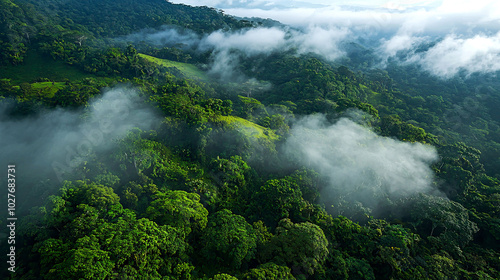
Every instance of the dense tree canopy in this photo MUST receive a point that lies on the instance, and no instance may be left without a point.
(208, 190)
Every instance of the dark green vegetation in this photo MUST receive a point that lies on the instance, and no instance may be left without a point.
(208, 193)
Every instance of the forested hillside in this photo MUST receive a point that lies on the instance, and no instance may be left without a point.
(152, 140)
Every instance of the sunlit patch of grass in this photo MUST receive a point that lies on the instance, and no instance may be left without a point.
(248, 128)
(48, 89)
(188, 70)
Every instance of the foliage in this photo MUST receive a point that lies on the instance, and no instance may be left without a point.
(279, 199)
(97, 238)
(449, 221)
(176, 202)
(302, 246)
(228, 240)
(269, 271)
(178, 209)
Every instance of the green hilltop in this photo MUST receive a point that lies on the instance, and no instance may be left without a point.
(189, 71)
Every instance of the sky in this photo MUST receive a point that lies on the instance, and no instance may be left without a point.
(464, 35)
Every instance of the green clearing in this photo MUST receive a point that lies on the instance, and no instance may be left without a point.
(189, 70)
(248, 128)
(48, 89)
(38, 66)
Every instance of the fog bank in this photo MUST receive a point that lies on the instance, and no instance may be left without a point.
(359, 165)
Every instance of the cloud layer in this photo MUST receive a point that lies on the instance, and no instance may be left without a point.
(251, 41)
(167, 36)
(360, 165)
(53, 143)
(228, 47)
(479, 54)
(464, 33)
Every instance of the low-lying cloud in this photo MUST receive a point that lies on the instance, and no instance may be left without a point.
(321, 40)
(452, 55)
(229, 47)
(359, 165)
(400, 43)
(265, 41)
(53, 143)
(464, 33)
(250, 41)
(167, 36)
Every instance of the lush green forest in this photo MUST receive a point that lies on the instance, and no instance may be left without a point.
(133, 161)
